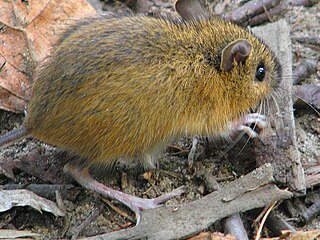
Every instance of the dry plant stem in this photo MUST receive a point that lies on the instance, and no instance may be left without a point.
(250, 9)
(234, 226)
(93, 216)
(303, 71)
(251, 191)
(258, 235)
(311, 212)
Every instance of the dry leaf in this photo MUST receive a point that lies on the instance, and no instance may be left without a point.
(14, 234)
(28, 29)
(14, 198)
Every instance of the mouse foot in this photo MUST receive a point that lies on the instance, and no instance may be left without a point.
(136, 204)
(257, 119)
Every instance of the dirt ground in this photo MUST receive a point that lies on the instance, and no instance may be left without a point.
(43, 164)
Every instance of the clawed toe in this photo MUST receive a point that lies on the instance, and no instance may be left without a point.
(257, 119)
(137, 204)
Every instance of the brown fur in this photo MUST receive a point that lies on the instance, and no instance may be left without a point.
(123, 88)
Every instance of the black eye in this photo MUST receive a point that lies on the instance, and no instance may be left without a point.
(260, 73)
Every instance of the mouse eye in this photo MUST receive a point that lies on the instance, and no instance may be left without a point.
(260, 72)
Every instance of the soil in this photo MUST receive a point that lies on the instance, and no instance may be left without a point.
(221, 159)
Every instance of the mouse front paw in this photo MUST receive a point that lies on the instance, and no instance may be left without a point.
(243, 124)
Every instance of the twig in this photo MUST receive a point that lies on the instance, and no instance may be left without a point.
(187, 219)
(250, 9)
(267, 15)
(255, 13)
(311, 212)
(234, 226)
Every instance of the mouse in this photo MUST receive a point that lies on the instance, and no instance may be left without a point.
(125, 87)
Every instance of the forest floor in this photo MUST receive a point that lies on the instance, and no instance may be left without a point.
(42, 164)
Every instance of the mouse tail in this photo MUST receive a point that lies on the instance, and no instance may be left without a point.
(13, 136)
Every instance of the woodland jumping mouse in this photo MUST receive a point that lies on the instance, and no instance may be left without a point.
(125, 87)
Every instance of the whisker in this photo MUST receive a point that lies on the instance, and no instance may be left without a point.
(313, 108)
(267, 107)
(276, 103)
(245, 144)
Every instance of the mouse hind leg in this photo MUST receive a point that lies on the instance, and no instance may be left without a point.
(136, 204)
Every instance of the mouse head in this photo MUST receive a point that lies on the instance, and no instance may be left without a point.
(237, 67)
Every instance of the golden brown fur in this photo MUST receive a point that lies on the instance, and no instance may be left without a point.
(125, 87)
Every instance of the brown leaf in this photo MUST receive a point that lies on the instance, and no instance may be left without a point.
(28, 29)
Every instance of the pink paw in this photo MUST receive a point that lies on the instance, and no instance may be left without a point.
(243, 124)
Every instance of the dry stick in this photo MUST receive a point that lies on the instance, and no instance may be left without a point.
(278, 143)
(234, 226)
(251, 191)
(257, 12)
(93, 216)
(267, 16)
(252, 8)
(282, 7)
(311, 212)
(303, 71)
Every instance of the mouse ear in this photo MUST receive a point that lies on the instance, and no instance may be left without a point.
(193, 9)
(237, 51)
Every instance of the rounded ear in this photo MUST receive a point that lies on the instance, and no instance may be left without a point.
(193, 9)
(237, 51)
